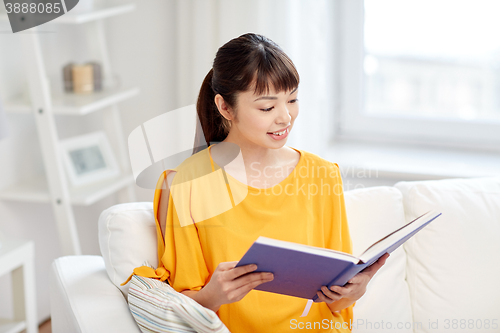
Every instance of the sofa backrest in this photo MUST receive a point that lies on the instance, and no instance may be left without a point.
(372, 213)
(453, 270)
(127, 238)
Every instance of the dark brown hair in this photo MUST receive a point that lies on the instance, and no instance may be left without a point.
(240, 63)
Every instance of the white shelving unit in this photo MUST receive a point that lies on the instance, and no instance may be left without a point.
(54, 189)
(77, 105)
(17, 258)
(36, 190)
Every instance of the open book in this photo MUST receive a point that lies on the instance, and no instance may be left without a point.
(300, 270)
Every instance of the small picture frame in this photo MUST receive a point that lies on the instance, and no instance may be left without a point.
(88, 159)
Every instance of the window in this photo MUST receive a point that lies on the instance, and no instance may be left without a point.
(425, 71)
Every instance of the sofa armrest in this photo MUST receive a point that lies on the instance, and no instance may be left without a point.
(83, 298)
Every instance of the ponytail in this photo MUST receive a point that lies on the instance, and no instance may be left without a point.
(211, 125)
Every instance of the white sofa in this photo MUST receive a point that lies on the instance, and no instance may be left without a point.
(445, 279)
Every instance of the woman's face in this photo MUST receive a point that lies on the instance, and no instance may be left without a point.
(258, 116)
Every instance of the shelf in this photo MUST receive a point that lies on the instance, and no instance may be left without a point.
(9, 326)
(11, 252)
(77, 105)
(36, 190)
(76, 16)
(17, 260)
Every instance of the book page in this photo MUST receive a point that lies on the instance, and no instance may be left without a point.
(408, 229)
(308, 249)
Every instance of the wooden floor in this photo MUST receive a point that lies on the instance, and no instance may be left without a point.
(46, 327)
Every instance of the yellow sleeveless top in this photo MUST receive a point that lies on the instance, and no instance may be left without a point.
(213, 218)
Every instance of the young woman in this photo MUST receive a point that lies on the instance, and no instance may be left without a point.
(215, 204)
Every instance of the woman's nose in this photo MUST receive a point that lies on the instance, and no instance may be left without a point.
(283, 115)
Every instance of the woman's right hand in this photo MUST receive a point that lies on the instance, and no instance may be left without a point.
(229, 284)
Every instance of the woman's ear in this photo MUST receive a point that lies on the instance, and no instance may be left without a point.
(223, 108)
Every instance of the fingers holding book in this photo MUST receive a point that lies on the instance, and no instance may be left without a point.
(327, 296)
(352, 291)
(230, 284)
(354, 288)
(373, 268)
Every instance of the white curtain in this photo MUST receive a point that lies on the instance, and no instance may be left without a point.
(3, 122)
(303, 28)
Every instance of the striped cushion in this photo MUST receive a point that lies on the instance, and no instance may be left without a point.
(157, 307)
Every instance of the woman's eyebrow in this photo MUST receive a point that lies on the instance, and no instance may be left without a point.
(273, 97)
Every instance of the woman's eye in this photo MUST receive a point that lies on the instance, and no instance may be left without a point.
(269, 109)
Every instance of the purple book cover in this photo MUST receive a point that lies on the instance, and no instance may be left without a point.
(295, 273)
(302, 271)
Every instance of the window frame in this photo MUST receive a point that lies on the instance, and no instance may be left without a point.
(354, 125)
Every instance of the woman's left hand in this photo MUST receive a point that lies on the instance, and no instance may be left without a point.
(355, 288)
